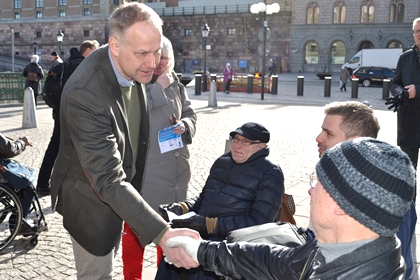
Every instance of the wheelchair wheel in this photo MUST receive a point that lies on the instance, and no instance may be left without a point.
(10, 216)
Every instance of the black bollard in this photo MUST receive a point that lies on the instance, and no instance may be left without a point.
(385, 88)
(274, 84)
(327, 87)
(250, 88)
(354, 87)
(300, 86)
(198, 84)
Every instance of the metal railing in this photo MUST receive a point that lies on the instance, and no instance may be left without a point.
(201, 10)
(12, 87)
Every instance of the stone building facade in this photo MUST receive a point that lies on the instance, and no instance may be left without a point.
(305, 35)
(335, 30)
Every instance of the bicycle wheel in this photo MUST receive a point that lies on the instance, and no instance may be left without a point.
(10, 216)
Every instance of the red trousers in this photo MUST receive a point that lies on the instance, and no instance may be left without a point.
(132, 254)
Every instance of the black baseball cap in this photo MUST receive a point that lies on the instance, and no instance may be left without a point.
(253, 131)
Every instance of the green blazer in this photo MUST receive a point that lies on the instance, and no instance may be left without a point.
(89, 185)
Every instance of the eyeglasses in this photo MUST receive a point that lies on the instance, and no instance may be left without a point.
(417, 32)
(165, 58)
(313, 180)
(244, 141)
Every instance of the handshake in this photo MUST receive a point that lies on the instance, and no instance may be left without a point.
(398, 101)
(204, 225)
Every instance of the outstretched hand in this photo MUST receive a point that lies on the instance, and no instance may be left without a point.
(173, 207)
(189, 244)
(177, 255)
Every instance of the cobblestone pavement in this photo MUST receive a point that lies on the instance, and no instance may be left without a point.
(294, 122)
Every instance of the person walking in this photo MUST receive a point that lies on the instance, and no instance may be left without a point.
(228, 74)
(344, 77)
(55, 60)
(34, 74)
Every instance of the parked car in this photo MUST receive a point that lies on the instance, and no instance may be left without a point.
(372, 75)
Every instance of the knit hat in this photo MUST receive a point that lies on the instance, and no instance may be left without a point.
(253, 131)
(372, 181)
(54, 53)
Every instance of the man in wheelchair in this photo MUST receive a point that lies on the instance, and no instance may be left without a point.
(8, 149)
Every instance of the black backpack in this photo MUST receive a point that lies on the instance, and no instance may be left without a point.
(54, 84)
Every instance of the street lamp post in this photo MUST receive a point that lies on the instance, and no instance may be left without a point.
(60, 36)
(263, 9)
(13, 50)
(34, 45)
(205, 30)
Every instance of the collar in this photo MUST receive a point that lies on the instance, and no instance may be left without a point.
(120, 78)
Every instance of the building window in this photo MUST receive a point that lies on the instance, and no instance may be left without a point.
(312, 13)
(115, 2)
(86, 2)
(62, 3)
(340, 13)
(231, 31)
(86, 11)
(17, 15)
(38, 14)
(16, 4)
(338, 53)
(396, 11)
(38, 4)
(395, 45)
(368, 12)
(17, 35)
(311, 53)
(86, 33)
(61, 13)
(38, 34)
(187, 32)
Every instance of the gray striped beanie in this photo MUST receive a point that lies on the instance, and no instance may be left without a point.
(372, 181)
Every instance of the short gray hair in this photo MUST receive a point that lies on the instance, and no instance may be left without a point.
(34, 58)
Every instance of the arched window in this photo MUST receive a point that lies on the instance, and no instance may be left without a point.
(396, 11)
(312, 13)
(338, 52)
(367, 12)
(395, 45)
(340, 12)
(366, 45)
(311, 52)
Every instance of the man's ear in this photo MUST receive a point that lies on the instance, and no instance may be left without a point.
(114, 46)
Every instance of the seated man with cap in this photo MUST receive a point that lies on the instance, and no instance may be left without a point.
(362, 191)
(243, 189)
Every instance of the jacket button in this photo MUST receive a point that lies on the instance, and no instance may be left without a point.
(129, 167)
(177, 154)
(177, 187)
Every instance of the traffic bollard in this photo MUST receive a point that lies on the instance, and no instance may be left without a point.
(354, 87)
(274, 84)
(213, 77)
(30, 118)
(300, 86)
(250, 88)
(327, 87)
(385, 88)
(212, 94)
(198, 84)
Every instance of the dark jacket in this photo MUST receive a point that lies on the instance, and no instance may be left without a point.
(10, 148)
(408, 72)
(91, 176)
(240, 195)
(33, 67)
(378, 259)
